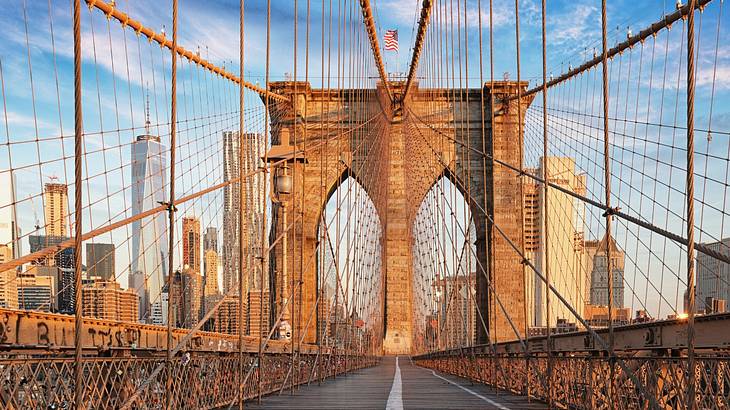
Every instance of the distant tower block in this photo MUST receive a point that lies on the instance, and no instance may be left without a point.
(55, 208)
(149, 235)
(258, 320)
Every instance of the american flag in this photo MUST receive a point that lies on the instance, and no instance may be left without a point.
(391, 40)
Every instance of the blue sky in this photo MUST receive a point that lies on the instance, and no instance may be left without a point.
(37, 116)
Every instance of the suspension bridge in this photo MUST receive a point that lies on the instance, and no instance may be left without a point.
(256, 211)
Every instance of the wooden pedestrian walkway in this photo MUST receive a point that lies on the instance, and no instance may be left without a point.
(395, 384)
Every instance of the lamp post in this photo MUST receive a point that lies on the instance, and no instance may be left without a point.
(283, 155)
(283, 186)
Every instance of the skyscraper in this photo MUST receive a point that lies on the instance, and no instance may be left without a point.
(61, 266)
(211, 273)
(8, 222)
(38, 242)
(138, 283)
(599, 273)
(258, 320)
(226, 318)
(458, 313)
(100, 260)
(9, 244)
(191, 243)
(211, 292)
(156, 316)
(210, 266)
(65, 278)
(565, 248)
(187, 297)
(713, 277)
(210, 239)
(149, 235)
(36, 287)
(254, 147)
(8, 284)
(55, 207)
(231, 209)
(107, 300)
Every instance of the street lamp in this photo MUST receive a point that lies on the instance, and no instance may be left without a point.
(283, 182)
(280, 156)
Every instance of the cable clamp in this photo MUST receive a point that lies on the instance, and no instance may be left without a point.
(611, 211)
(169, 206)
(525, 261)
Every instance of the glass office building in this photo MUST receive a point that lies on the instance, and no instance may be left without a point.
(149, 235)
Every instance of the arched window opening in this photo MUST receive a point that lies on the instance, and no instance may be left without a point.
(445, 270)
(349, 276)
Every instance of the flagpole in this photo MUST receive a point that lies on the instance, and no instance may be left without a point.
(397, 55)
(390, 41)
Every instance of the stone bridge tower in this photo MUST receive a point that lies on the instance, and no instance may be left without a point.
(430, 136)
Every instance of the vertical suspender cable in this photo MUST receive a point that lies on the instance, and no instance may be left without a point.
(301, 199)
(171, 209)
(484, 171)
(241, 215)
(468, 177)
(338, 284)
(690, 207)
(491, 236)
(264, 256)
(607, 186)
(78, 145)
(545, 184)
(320, 232)
(294, 99)
(520, 131)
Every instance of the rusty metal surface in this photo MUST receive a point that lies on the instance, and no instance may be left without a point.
(582, 381)
(653, 354)
(713, 332)
(26, 330)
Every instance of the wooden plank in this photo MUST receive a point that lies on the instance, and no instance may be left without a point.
(369, 389)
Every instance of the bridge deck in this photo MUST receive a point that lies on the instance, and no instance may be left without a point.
(379, 387)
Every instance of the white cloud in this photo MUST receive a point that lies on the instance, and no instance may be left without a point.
(574, 27)
(721, 76)
(27, 123)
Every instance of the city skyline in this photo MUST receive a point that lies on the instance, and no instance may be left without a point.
(148, 189)
(53, 120)
(211, 236)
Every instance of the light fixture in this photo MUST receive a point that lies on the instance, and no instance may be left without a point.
(280, 156)
(283, 182)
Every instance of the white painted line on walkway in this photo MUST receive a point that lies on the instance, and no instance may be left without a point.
(492, 402)
(395, 398)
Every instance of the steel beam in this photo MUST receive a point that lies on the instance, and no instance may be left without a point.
(712, 332)
(26, 331)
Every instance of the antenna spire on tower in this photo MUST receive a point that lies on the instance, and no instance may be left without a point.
(147, 114)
